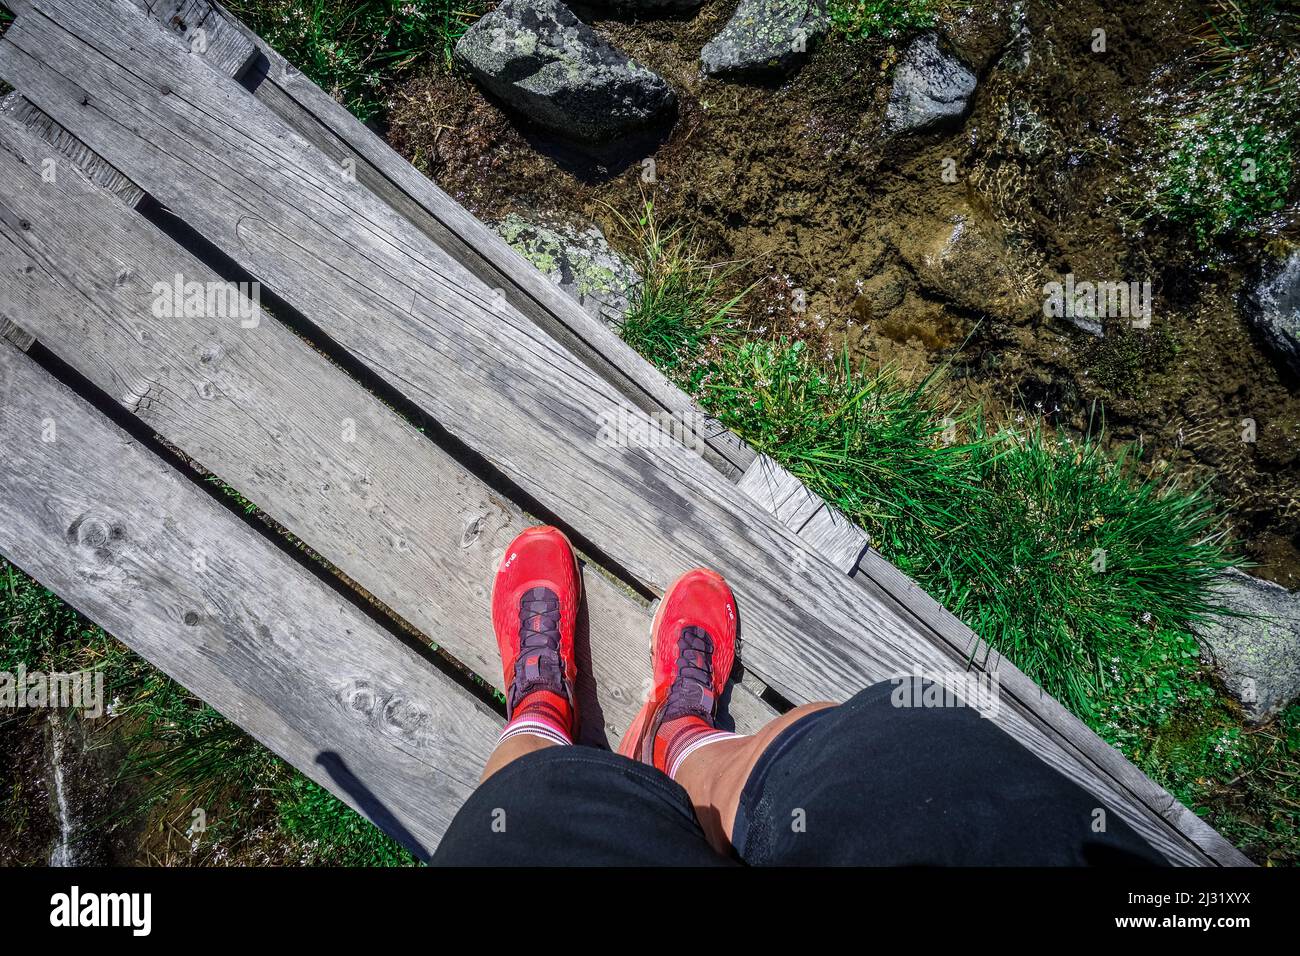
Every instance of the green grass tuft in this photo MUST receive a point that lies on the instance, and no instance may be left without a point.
(861, 19)
(40, 632)
(338, 834)
(1223, 154)
(1221, 172)
(680, 312)
(868, 444)
(1085, 574)
(356, 49)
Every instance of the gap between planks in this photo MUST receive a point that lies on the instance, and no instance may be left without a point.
(266, 413)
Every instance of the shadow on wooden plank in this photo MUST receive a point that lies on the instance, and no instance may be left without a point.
(370, 805)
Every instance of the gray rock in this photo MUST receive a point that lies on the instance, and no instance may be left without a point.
(1257, 655)
(542, 60)
(766, 35)
(1276, 309)
(579, 260)
(931, 87)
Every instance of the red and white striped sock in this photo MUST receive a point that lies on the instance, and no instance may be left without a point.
(543, 714)
(678, 739)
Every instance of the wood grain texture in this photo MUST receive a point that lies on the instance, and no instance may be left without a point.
(489, 375)
(230, 52)
(824, 529)
(63, 145)
(121, 537)
(833, 535)
(16, 336)
(205, 33)
(767, 483)
(252, 403)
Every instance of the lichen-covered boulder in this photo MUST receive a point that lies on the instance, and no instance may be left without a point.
(579, 260)
(765, 36)
(931, 87)
(1256, 647)
(545, 62)
(1275, 309)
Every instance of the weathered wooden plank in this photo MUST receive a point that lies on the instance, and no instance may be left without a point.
(723, 441)
(328, 462)
(14, 106)
(768, 483)
(18, 109)
(824, 529)
(829, 532)
(326, 124)
(797, 510)
(120, 536)
(486, 373)
(224, 46)
(205, 33)
(18, 337)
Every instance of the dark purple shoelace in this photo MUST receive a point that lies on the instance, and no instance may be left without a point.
(692, 692)
(538, 666)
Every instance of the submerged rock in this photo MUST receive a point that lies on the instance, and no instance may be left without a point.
(1276, 309)
(1257, 655)
(964, 258)
(765, 35)
(880, 294)
(542, 60)
(980, 33)
(931, 87)
(579, 260)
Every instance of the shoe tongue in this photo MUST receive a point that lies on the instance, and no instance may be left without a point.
(688, 699)
(537, 670)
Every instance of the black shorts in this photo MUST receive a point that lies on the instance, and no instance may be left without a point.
(866, 783)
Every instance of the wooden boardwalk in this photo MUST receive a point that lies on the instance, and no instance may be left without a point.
(411, 394)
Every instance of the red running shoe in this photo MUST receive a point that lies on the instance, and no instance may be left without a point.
(534, 612)
(692, 648)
